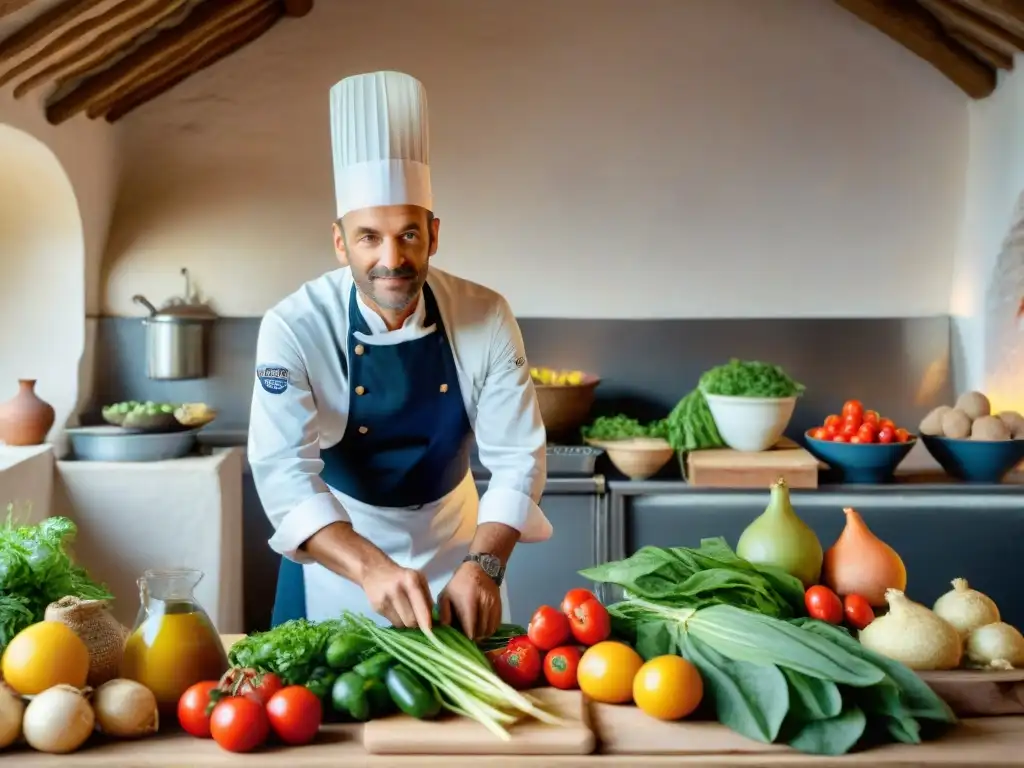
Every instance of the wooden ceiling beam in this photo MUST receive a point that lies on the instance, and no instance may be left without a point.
(1009, 14)
(75, 64)
(167, 45)
(990, 56)
(212, 53)
(955, 17)
(7, 7)
(913, 27)
(297, 8)
(145, 75)
(44, 25)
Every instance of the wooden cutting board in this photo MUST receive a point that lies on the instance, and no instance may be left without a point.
(626, 730)
(979, 693)
(402, 735)
(727, 468)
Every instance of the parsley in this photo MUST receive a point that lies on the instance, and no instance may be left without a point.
(740, 378)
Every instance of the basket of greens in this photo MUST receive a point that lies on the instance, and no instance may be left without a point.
(751, 402)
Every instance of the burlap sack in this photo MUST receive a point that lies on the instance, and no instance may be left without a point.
(102, 634)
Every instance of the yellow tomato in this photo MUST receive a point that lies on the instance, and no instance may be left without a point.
(606, 672)
(43, 655)
(668, 688)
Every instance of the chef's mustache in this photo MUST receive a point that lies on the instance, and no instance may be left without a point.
(405, 271)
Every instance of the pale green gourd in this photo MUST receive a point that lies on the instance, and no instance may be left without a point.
(778, 537)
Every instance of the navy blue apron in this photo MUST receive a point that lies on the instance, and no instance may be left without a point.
(408, 436)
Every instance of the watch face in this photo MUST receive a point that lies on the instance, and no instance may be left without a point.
(490, 564)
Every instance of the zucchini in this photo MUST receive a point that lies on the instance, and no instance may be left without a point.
(348, 696)
(411, 694)
(374, 667)
(378, 697)
(344, 651)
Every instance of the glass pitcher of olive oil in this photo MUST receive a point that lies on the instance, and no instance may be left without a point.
(173, 643)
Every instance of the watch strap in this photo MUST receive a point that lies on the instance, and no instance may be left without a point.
(489, 564)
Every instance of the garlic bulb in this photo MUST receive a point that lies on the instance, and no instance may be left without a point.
(996, 646)
(125, 709)
(966, 608)
(912, 634)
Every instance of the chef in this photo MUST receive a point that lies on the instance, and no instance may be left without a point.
(371, 383)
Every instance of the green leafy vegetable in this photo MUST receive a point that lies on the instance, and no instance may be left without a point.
(36, 570)
(292, 650)
(621, 427)
(690, 426)
(740, 378)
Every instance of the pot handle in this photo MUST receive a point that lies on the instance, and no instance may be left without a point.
(140, 299)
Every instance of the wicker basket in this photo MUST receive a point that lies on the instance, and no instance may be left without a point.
(565, 407)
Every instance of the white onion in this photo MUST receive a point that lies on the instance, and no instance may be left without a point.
(12, 710)
(912, 634)
(997, 646)
(125, 709)
(966, 608)
(58, 720)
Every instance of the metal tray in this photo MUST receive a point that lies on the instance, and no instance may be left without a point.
(110, 443)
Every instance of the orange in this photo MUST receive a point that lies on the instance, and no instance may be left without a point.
(606, 672)
(668, 688)
(43, 655)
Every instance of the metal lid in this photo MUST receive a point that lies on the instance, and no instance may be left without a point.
(179, 311)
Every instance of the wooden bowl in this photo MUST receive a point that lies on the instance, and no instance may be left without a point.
(565, 407)
(638, 458)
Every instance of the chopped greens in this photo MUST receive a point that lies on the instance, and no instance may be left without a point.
(621, 427)
(36, 570)
(739, 378)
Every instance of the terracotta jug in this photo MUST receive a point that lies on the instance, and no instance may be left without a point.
(25, 419)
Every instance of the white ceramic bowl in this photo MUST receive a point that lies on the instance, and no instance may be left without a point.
(751, 423)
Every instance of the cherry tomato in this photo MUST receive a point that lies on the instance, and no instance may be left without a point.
(821, 433)
(239, 724)
(850, 427)
(520, 664)
(832, 430)
(841, 439)
(590, 623)
(833, 421)
(886, 435)
(574, 598)
(823, 604)
(560, 665)
(548, 628)
(194, 708)
(866, 433)
(887, 423)
(858, 611)
(857, 439)
(251, 683)
(902, 435)
(295, 714)
(853, 409)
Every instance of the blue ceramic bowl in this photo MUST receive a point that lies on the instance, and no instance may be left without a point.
(861, 462)
(975, 461)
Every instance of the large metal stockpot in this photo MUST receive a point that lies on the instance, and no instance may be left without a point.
(177, 336)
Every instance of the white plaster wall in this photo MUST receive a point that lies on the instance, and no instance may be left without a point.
(995, 184)
(590, 158)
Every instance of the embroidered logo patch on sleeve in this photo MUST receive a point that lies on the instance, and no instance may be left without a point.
(273, 378)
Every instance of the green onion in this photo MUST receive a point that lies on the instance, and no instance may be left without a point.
(459, 671)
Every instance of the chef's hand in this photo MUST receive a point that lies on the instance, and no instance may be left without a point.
(474, 599)
(400, 595)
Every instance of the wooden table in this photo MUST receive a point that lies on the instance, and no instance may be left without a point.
(989, 742)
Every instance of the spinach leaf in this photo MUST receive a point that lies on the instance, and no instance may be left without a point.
(831, 736)
(811, 698)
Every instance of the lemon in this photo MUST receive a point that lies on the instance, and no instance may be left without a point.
(43, 655)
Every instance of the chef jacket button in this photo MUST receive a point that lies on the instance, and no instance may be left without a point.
(360, 390)
(360, 349)
(363, 430)
(444, 387)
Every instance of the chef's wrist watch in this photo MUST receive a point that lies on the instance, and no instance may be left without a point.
(489, 564)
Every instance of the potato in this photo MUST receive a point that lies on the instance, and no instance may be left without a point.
(956, 424)
(989, 428)
(974, 404)
(1014, 422)
(932, 423)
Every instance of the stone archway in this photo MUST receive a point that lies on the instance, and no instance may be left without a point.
(42, 274)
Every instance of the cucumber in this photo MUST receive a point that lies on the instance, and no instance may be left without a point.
(411, 694)
(348, 696)
(344, 651)
(374, 667)
(379, 699)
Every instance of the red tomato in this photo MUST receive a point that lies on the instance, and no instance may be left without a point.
(549, 628)
(887, 435)
(859, 612)
(590, 623)
(853, 409)
(887, 423)
(295, 714)
(866, 433)
(857, 439)
(821, 433)
(239, 724)
(833, 421)
(841, 439)
(194, 708)
(832, 431)
(560, 665)
(870, 417)
(574, 598)
(902, 435)
(824, 605)
(520, 664)
(251, 683)
(850, 427)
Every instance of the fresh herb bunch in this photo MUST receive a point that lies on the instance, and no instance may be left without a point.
(622, 427)
(292, 650)
(739, 378)
(36, 570)
(769, 675)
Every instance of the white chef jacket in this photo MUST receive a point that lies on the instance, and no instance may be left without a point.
(306, 335)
